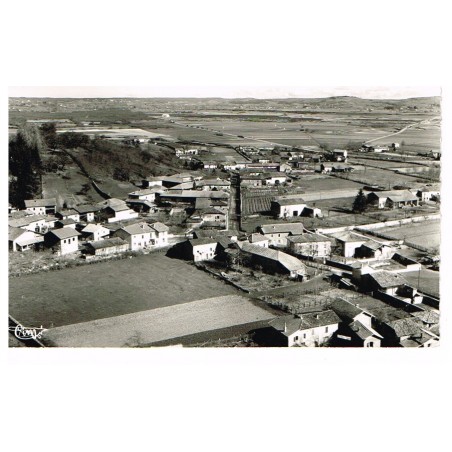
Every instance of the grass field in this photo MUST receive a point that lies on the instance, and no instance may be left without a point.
(426, 281)
(156, 325)
(108, 289)
(425, 234)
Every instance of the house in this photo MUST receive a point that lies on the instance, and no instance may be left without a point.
(348, 242)
(86, 212)
(310, 244)
(213, 216)
(62, 241)
(287, 207)
(161, 234)
(309, 330)
(22, 239)
(41, 206)
(355, 329)
(278, 233)
(35, 223)
(117, 210)
(276, 178)
(407, 333)
(252, 180)
(202, 249)
(66, 223)
(430, 192)
(383, 281)
(190, 196)
(107, 247)
(139, 235)
(375, 250)
(145, 194)
(152, 182)
(392, 199)
(274, 261)
(339, 155)
(66, 214)
(258, 240)
(326, 168)
(95, 232)
(214, 184)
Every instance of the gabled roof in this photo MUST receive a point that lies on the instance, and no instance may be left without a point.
(348, 237)
(309, 238)
(212, 211)
(66, 222)
(159, 227)
(64, 233)
(29, 203)
(107, 243)
(290, 324)
(386, 279)
(396, 195)
(429, 317)
(15, 233)
(203, 241)
(254, 238)
(138, 228)
(145, 191)
(67, 212)
(91, 228)
(291, 228)
(362, 331)
(345, 309)
(86, 208)
(373, 245)
(289, 262)
(289, 201)
(25, 221)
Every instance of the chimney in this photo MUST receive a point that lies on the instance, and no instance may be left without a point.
(285, 327)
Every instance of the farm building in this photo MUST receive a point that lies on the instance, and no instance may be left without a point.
(282, 207)
(375, 250)
(86, 212)
(274, 261)
(22, 240)
(276, 178)
(68, 214)
(258, 240)
(348, 242)
(213, 184)
(252, 181)
(35, 223)
(95, 232)
(392, 199)
(215, 216)
(431, 192)
(62, 241)
(41, 206)
(383, 281)
(107, 247)
(152, 182)
(355, 329)
(66, 223)
(407, 333)
(339, 155)
(190, 196)
(145, 194)
(278, 233)
(315, 245)
(311, 329)
(201, 249)
(142, 235)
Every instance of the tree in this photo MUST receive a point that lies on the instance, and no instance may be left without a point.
(360, 202)
(49, 134)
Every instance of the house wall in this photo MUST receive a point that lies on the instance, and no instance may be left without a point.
(123, 215)
(279, 239)
(204, 252)
(67, 246)
(349, 248)
(372, 341)
(35, 226)
(294, 210)
(111, 250)
(312, 336)
(13, 243)
(321, 249)
(36, 210)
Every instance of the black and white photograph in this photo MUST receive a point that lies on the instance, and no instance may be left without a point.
(225, 222)
(228, 226)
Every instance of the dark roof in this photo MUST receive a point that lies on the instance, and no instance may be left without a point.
(86, 208)
(159, 227)
(138, 228)
(289, 201)
(25, 221)
(362, 331)
(203, 241)
(14, 233)
(345, 309)
(66, 222)
(253, 238)
(288, 325)
(348, 237)
(107, 243)
(67, 212)
(40, 202)
(64, 233)
(405, 327)
(373, 245)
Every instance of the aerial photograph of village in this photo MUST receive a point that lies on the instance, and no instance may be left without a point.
(224, 222)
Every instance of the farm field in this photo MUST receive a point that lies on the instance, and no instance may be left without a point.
(321, 183)
(116, 133)
(147, 327)
(426, 281)
(425, 234)
(107, 289)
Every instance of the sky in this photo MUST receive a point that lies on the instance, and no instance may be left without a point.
(258, 92)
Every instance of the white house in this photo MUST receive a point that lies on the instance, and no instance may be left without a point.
(310, 330)
(21, 239)
(138, 235)
(41, 206)
(95, 232)
(287, 207)
(278, 233)
(62, 241)
(202, 249)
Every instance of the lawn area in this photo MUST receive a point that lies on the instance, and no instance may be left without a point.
(109, 289)
(426, 281)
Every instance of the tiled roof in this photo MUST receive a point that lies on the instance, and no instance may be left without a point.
(386, 279)
(159, 227)
(309, 238)
(91, 228)
(288, 325)
(257, 238)
(40, 202)
(138, 228)
(67, 212)
(66, 222)
(86, 208)
(14, 233)
(362, 331)
(289, 201)
(373, 245)
(405, 327)
(203, 241)
(291, 228)
(25, 221)
(348, 237)
(107, 243)
(429, 317)
(345, 309)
